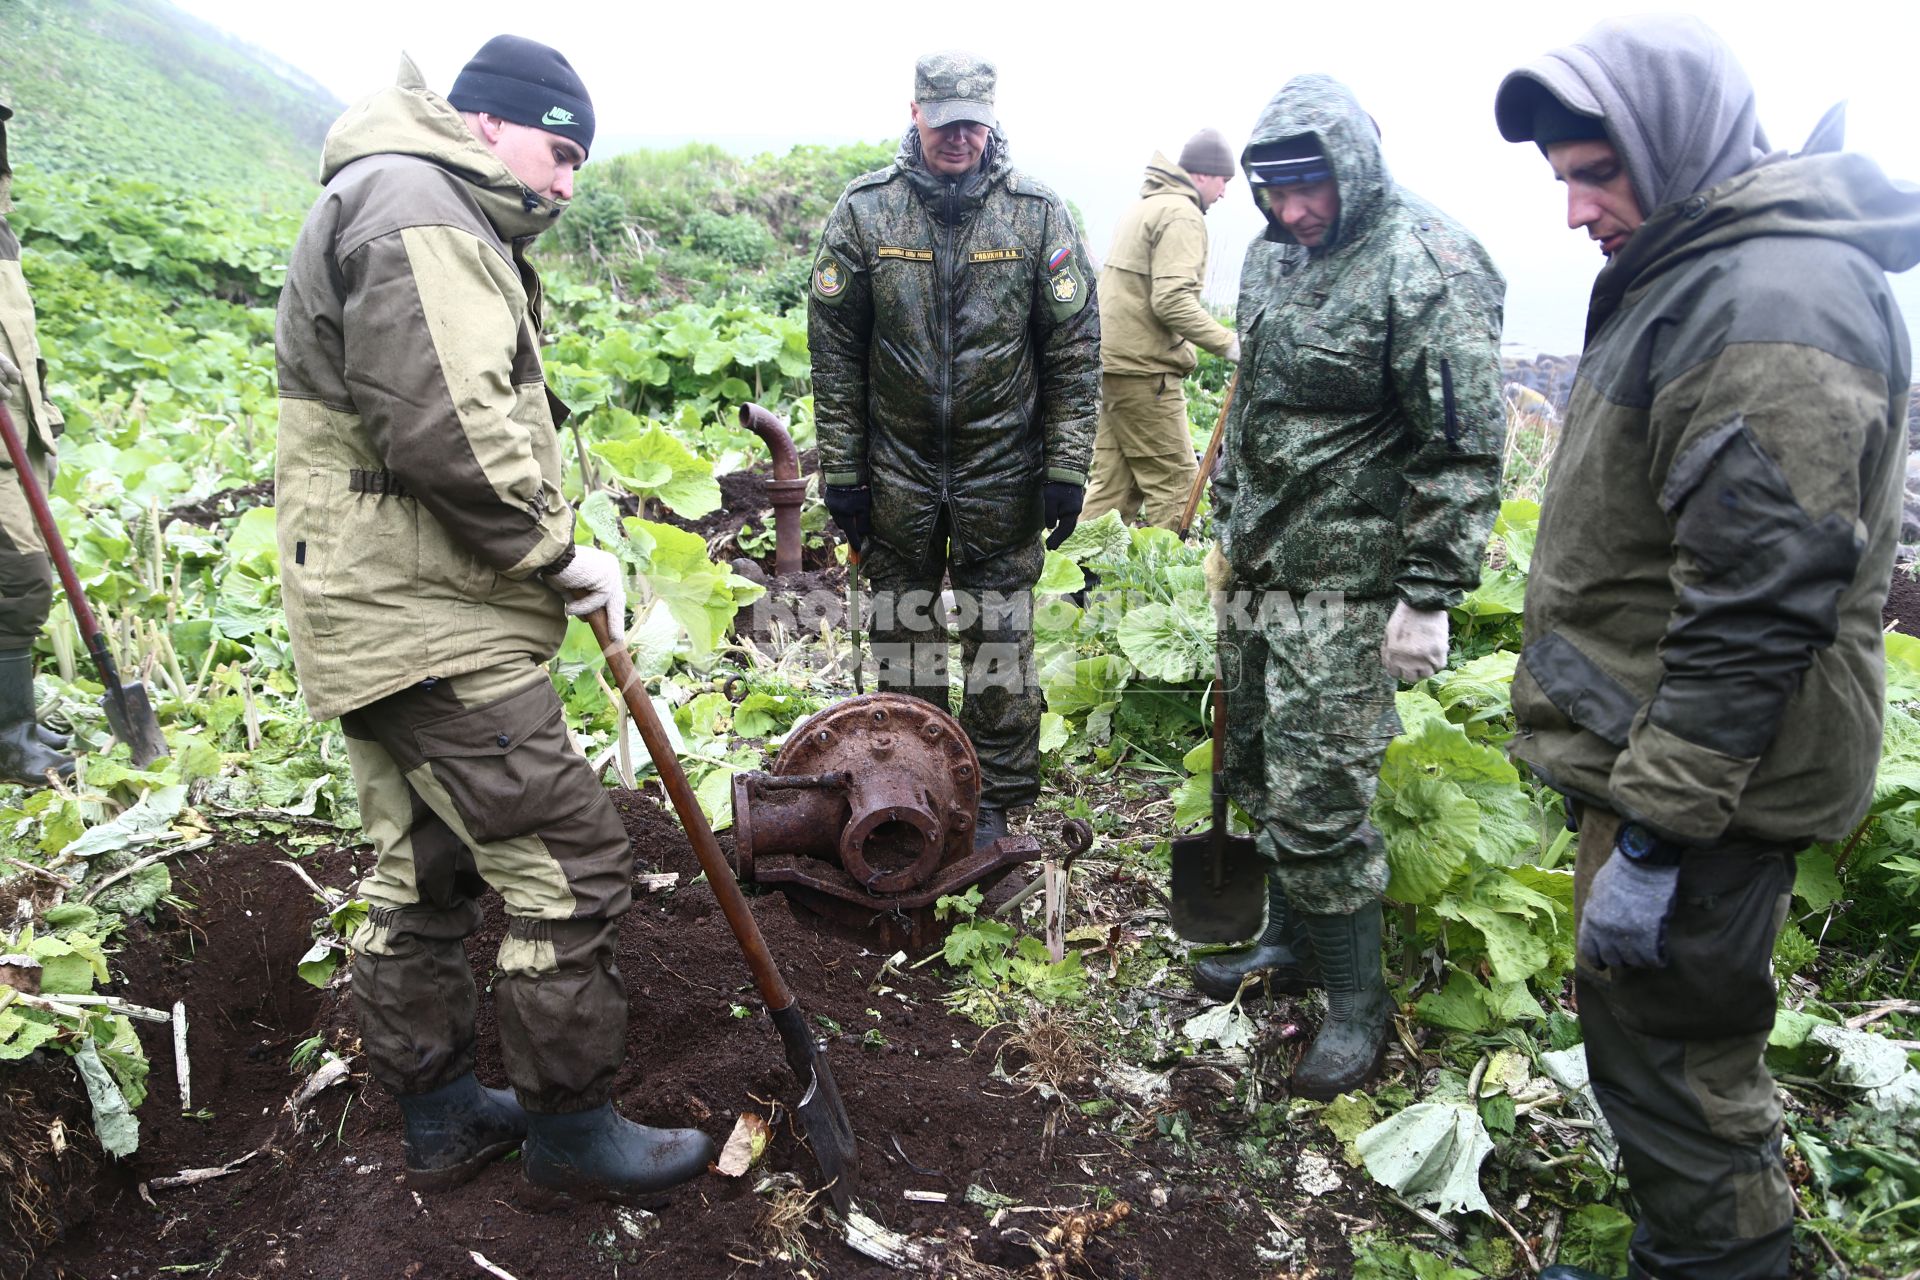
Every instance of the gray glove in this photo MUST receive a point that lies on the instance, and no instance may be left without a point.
(9, 377)
(1624, 923)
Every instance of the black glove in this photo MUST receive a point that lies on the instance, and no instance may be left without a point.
(851, 506)
(1063, 510)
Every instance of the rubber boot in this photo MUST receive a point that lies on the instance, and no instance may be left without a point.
(1559, 1272)
(52, 737)
(600, 1155)
(1282, 953)
(456, 1130)
(1346, 1051)
(24, 757)
(990, 826)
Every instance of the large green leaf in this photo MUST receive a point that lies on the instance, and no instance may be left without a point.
(656, 465)
(1059, 575)
(1431, 1153)
(1087, 684)
(1104, 539)
(1169, 642)
(1430, 826)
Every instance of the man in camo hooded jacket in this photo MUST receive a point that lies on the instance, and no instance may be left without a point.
(1359, 480)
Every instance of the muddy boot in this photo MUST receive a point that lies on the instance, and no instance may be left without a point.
(1346, 1051)
(990, 826)
(50, 737)
(599, 1155)
(23, 756)
(1282, 953)
(454, 1131)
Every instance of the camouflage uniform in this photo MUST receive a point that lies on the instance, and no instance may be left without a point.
(1362, 456)
(956, 371)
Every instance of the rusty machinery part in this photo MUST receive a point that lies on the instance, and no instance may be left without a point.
(867, 815)
(786, 491)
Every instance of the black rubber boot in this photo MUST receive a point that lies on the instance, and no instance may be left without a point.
(1558, 1272)
(600, 1155)
(456, 1130)
(1282, 953)
(1346, 1051)
(52, 738)
(989, 826)
(23, 756)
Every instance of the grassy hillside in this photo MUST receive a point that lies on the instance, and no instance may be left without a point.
(136, 88)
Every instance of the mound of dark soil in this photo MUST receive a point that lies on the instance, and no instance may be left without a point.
(928, 1094)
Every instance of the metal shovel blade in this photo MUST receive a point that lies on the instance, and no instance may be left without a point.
(1219, 890)
(822, 1114)
(130, 716)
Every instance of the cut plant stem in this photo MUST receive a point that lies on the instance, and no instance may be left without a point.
(182, 1069)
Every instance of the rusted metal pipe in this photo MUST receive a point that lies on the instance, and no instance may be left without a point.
(787, 490)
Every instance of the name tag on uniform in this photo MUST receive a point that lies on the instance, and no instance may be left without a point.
(996, 255)
(911, 255)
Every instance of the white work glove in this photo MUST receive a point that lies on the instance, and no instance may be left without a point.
(1232, 354)
(1416, 643)
(9, 377)
(592, 581)
(1219, 572)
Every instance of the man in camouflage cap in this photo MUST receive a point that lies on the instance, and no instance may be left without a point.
(28, 750)
(956, 370)
(1357, 465)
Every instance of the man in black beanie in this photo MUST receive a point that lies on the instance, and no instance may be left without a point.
(1703, 669)
(1151, 319)
(429, 564)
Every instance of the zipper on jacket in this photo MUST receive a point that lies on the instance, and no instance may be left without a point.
(949, 210)
(1450, 415)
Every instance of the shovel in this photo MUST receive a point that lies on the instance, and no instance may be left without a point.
(853, 618)
(1219, 879)
(129, 710)
(822, 1114)
(1207, 459)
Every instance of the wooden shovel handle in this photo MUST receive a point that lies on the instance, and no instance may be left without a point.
(1207, 458)
(720, 878)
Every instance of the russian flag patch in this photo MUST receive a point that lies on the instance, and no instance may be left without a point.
(1059, 258)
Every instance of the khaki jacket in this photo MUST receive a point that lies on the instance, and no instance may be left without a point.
(32, 412)
(1151, 316)
(418, 476)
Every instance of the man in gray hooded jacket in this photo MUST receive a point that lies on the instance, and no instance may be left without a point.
(1703, 671)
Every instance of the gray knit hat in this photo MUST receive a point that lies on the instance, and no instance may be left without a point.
(1207, 152)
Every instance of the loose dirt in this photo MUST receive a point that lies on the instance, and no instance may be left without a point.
(938, 1106)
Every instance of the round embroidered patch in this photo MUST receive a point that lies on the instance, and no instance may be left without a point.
(828, 278)
(1059, 258)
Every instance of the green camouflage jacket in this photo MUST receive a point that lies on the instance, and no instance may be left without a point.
(1363, 448)
(417, 484)
(956, 350)
(1703, 649)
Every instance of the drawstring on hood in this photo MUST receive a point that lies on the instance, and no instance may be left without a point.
(1676, 105)
(1321, 108)
(410, 119)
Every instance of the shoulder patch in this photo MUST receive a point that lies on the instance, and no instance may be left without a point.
(1065, 286)
(829, 277)
(1059, 257)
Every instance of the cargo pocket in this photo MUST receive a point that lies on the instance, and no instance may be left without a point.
(1579, 689)
(508, 766)
(1719, 977)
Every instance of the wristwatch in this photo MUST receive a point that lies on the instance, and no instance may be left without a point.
(1643, 848)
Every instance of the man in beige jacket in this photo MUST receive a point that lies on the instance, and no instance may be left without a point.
(428, 563)
(1151, 318)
